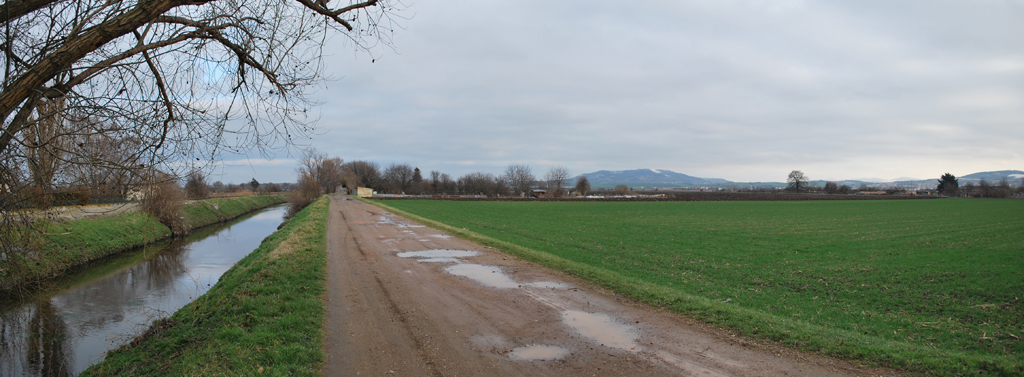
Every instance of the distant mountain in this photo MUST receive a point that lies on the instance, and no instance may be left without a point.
(648, 177)
(993, 176)
(668, 178)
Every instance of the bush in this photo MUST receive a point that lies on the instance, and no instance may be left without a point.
(305, 193)
(164, 200)
(195, 185)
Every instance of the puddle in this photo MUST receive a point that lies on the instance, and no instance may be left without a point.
(491, 276)
(538, 352)
(388, 220)
(601, 328)
(548, 284)
(439, 260)
(440, 236)
(439, 253)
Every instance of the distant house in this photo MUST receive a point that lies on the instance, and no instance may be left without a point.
(538, 193)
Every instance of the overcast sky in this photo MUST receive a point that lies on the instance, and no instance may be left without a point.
(740, 90)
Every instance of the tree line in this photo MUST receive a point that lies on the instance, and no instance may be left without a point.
(319, 174)
(949, 185)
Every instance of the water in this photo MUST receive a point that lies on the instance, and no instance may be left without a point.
(63, 329)
(601, 328)
(439, 253)
(490, 276)
(538, 352)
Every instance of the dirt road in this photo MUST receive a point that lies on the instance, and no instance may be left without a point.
(404, 299)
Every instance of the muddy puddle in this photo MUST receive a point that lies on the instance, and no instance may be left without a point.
(538, 352)
(439, 253)
(388, 220)
(597, 327)
(601, 328)
(491, 276)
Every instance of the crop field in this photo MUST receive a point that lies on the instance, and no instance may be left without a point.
(926, 285)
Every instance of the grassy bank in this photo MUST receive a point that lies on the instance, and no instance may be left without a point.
(263, 317)
(215, 210)
(65, 245)
(931, 286)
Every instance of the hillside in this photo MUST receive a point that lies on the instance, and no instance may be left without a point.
(668, 178)
(648, 177)
(994, 176)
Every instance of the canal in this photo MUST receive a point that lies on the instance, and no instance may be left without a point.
(62, 329)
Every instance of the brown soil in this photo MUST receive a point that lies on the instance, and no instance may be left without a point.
(493, 315)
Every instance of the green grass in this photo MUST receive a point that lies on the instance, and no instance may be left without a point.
(212, 211)
(934, 286)
(61, 246)
(264, 316)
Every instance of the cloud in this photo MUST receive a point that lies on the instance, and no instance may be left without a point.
(742, 90)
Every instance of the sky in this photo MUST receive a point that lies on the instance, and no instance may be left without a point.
(741, 90)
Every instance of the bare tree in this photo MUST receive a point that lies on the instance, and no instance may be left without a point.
(44, 149)
(448, 185)
(306, 191)
(968, 190)
(398, 178)
(621, 189)
(520, 179)
(185, 79)
(164, 199)
(831, 188)
(797, 181)
(365, 174)
(195, 185)
(106, 166)
(556, 178)
(162, 62)
(326, 171)
(582, 185)
(482, 184)
(435, 186)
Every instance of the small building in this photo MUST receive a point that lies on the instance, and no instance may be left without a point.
(538, 193)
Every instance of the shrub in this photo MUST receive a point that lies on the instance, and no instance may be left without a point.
(195, 185)
(305, 193)
(164, 200)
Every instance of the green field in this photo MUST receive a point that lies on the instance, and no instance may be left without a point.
(926, 285)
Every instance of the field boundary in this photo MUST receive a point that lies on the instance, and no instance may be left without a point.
(753, 323)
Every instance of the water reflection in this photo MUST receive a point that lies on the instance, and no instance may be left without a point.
(63, 329)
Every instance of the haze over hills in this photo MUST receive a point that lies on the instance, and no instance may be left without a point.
(648, 177)
(668, 178)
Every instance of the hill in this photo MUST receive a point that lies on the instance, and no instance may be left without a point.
(994, 176)
(648, 177)
(667, 178)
